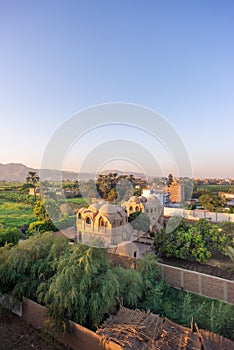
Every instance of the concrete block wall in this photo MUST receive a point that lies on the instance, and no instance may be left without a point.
(199, 283)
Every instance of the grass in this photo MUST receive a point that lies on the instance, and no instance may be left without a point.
(15, 214)
(80, 200)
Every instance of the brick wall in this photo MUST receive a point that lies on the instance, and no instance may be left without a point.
(199, 283)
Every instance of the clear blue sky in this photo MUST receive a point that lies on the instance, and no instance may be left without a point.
(174, 56)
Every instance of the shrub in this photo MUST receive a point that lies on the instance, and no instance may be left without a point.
(9, 235)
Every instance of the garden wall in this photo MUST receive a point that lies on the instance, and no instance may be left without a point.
(195, 282)
(197, 214)
(199, 283)
(77, 337)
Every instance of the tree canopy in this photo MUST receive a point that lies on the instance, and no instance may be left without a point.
(192, 242)
(139, 221)
(212, 202)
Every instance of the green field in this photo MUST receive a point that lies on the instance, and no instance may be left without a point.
(80, 200)
(15, 214)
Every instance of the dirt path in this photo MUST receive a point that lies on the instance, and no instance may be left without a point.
(15, 334)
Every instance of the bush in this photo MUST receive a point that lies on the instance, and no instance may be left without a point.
(9, 235)
(41, 226)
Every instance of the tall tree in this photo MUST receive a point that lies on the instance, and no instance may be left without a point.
(169, 180)
(33, 179)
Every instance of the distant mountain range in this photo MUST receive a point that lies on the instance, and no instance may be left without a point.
(18, 172)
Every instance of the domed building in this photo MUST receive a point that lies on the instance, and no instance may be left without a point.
(105, 223)
(150, 205)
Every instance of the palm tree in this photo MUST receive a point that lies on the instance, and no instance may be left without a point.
(33, 178)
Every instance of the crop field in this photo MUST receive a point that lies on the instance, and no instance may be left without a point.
(15, 214)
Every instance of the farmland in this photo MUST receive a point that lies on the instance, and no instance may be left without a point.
(13, 214)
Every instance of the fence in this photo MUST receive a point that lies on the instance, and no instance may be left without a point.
(197, 214)
(199, 283)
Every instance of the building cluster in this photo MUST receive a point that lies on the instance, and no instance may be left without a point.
(106, 225)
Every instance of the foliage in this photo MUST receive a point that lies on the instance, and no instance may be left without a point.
(149, 270)
(16, 197)
(229, 251)
(169, 180)
(47, 210)
(33, 179)
(122, 185)
(9, 235)
(83, 288)
(80, 200)
(212, 202)
(112, 195)
(41, 226)
(192, 242)
(25, 266)
(14, 214)
(131, 286)
(228, 229)
(139, 221)
(77, 282)
(181, 307)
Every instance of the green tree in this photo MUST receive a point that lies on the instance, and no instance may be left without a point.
(112, 195)
(47, 210)
(25, 266)
(169, 180)
(33, 179)
(139, 221)
(131, 287)
(212, 202)
(149, 270)
(192, 242)
(83, 288)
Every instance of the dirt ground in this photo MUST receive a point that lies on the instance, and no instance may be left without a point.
(15, 334)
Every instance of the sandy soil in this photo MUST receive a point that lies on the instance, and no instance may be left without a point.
(15, 334)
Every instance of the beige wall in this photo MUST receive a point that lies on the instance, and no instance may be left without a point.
(78, 337)
(199, 214)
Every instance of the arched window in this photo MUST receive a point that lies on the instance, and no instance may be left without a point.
(151, 210)
(88, 220)
(101, 222)
(147, 210)
(131, 209)
(79, 216)
(137, 208)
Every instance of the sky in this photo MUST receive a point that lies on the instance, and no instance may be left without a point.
(176, 57)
